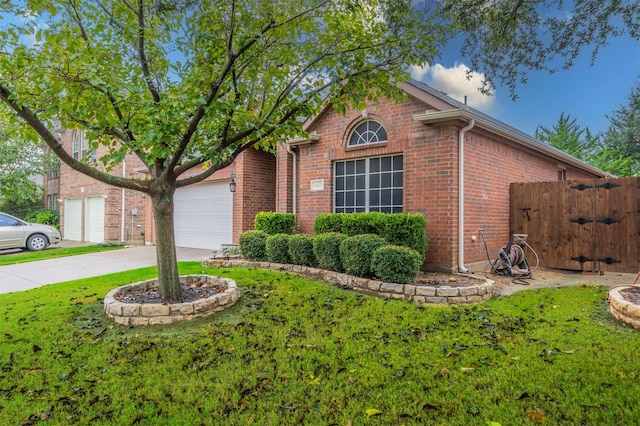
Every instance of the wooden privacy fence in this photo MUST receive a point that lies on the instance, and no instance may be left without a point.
(586, 225)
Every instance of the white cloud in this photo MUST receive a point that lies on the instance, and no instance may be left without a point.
(455, 83)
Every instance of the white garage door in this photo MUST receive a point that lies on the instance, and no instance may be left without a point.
(94, 219)
(73, 219)
(203, 215)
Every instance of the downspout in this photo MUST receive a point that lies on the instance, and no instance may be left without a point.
(463, 131)
(124, 175)
(295, 178)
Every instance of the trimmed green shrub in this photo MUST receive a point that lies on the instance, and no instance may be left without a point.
(275, 223)
(403, 229)
(363, 223)
(278, 248)
(407, 230)
(253, 245)
(396, 264)
(356, 253)
(329, 222)
(301, 250)
(326, 247)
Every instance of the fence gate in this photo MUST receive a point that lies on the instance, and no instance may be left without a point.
(587, 225)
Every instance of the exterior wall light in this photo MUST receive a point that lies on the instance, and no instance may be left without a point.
(232, 184)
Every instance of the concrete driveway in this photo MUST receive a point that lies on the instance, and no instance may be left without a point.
(25, 276)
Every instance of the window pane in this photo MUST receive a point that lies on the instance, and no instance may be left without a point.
(339, 169)
(360, 166)
(351, 167)
(349, 210)
(382, 134)
(339, 183)
(350, 182)
(385, 197)
(360, 199)
(397, 179)
(397, 162)
(360, 209)
(385, 164)
(374, 181)
(349, 199)
(386, 180)
(339, 199)
(374, 198)
(397, 197)
(385, 209)
(374, 165)
(397, 210)
(361, 182)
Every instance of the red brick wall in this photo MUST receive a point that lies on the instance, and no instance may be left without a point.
(430, 176)
(255, 188)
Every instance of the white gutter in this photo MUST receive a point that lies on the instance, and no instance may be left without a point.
(298, 141)
(461, 134)
(294, 179)
(124, 175)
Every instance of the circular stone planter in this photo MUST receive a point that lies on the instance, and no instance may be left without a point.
(622, 309)
(135, 314)
(411, 292)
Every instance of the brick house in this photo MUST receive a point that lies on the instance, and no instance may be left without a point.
(207, 214)
(418, 156)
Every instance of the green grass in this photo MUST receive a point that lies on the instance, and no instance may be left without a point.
(52, 253)
(294, 351)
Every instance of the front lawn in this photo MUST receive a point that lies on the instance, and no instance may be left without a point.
(295, 351)
(54, 252)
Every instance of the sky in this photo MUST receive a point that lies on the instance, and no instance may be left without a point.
(585, 92)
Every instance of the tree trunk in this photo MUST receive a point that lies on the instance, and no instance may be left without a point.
(167, 261)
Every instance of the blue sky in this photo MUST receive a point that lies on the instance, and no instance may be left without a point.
(585, 92)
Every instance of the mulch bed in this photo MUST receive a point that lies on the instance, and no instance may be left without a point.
(631, 294)
(190, 293)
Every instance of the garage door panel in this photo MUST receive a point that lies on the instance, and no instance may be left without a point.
(94, 219)
(203, 215)
(73, 219)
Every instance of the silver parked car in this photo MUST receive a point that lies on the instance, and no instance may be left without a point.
(16, 233)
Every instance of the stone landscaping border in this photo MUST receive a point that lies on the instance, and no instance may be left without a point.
(411, 292)
(135, 314)
(622, 309)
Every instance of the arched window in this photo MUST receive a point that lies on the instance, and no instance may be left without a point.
(366, 133)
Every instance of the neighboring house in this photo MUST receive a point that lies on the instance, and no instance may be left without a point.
(206, 215)
(419, 156)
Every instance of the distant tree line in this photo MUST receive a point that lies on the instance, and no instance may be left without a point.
(617, 150)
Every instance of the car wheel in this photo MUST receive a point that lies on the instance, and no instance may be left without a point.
(37, 242)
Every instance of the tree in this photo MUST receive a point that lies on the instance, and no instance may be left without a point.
(623, 135)
(568, 136)
(20, 166)
(616, 151)
(187, 85)
(505, 39)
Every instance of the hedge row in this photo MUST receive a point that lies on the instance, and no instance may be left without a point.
(364, 255)
(401, 229)
(275, 223)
